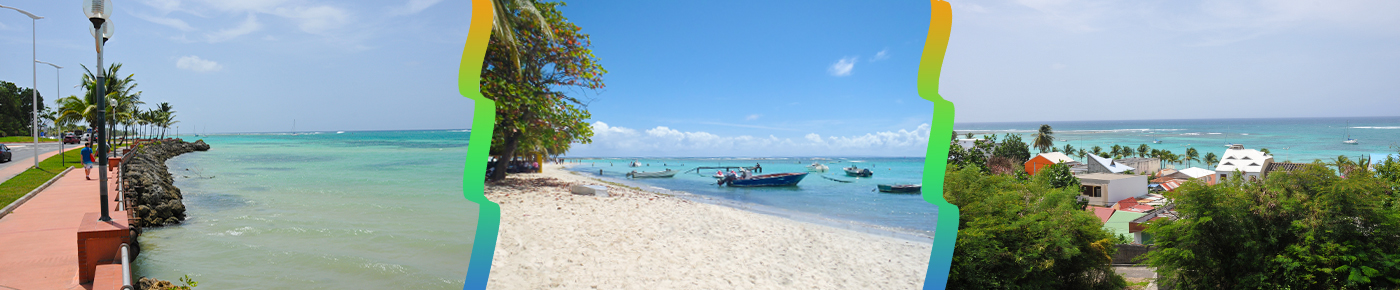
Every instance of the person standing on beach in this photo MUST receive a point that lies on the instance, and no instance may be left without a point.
(87, 161)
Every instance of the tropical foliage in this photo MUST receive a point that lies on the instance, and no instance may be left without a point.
(1305, 229)
(16, 106)
(1044, 138)
(1013, 149)
(529, 61)
(123, 106)
(1025, 234)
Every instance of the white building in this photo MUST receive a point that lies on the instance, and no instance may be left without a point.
(1249, 162)
(1105, 189)
(1104, 165)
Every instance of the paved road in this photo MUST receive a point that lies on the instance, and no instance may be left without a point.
(23, 157)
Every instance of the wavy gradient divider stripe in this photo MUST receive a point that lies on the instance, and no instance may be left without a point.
(488, 220)
(936, 160)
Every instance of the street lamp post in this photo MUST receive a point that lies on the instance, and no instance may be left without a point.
(97, 12)
(57, 89)
(34, 55)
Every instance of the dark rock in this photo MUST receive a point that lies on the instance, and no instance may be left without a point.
(153, 284)
(151, 186)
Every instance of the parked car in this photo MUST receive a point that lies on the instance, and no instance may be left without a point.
(71, 138)
(5, 153)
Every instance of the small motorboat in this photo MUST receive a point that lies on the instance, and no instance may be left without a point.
(653, 174)
(817, 167)
(1156, 141)
(900, 188)
(634, 164)
(857, 172)
(776, 179)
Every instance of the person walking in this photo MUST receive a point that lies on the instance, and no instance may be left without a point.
(87, 161)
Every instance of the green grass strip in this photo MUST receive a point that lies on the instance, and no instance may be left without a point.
(32, 178)
(25, 139)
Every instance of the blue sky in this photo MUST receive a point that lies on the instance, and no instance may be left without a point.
(255, 66)
(742, 78)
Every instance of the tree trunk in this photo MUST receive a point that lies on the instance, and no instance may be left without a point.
(508, 153)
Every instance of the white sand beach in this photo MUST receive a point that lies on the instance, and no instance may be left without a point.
(551, 239)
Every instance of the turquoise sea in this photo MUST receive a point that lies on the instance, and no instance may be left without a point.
(1293, 139)
(357, 210)
(819, 197)
(385, 209)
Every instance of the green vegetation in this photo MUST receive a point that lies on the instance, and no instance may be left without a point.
(123, 108)
(24, 139)
(1026, 234)
(1305, 229)
(1044, 138)
(15, 108)
(189, 284)
(535, 54)
(32, 178)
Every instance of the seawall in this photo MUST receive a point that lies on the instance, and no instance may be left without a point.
(151, 188)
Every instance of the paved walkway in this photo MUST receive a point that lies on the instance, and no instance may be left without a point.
(40, 237)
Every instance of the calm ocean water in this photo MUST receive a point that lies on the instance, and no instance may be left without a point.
(818, 198)
(1296, 139)
(385, 209)
(358, 210)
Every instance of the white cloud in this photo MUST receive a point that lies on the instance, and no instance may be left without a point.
(249, 25)
(882, 55)
(308, 16)
(843, 67)
(196, 64)
(316, 19)
(414, 6)
(752, 117)
(666, 141)
(172, 22)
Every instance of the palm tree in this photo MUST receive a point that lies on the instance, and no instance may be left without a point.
(1265, 150)
(1343, 164)
(1191, 155)
(1044, 138)
(508, 13)
(165, 116)
(1096, 150)
(1211, 158)
(118, 94)
(72, 109)
(1142, 150)
(969, 135)
(1069, 149)
(955, 136)
(1082, 154)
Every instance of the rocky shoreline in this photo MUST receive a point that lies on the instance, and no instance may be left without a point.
(157, 202)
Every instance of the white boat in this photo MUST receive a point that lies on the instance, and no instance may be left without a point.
(634, 164)
(1156, 141)
(1349, 140)
(654, 174)
(817, 167)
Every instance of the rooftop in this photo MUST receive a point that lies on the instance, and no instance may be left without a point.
(1105, 176)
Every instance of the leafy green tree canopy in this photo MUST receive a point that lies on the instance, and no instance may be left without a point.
(1305, 229)
(1025, 234)
(533, 113)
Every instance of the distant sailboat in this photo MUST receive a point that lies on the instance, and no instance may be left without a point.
(294, 127)
(1349, 140)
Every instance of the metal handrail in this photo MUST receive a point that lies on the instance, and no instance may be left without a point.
(126, 269)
